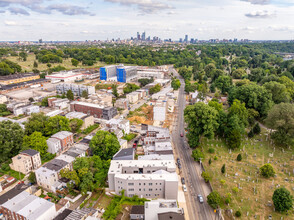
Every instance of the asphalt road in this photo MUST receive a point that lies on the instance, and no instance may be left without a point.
(194, 182)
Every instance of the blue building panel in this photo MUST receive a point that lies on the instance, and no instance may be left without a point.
(121, 75)
(103, 73)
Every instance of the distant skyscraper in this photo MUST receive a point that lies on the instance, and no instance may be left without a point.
(181, 40)
(186, 38)
(138, 36)
(40, 41)
(144, 36)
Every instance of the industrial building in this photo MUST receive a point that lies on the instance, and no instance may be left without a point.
(119, 73)
(145, 178)
(65, 76)
(18, 78)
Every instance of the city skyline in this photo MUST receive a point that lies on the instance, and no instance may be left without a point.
(107, 19)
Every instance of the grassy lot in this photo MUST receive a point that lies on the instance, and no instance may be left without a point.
(103, 202)
(12, 173)
(129, 136)
(28, 65)
(245, 175)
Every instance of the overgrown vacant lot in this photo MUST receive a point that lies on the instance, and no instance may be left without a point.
(254, 196)
(28, 65)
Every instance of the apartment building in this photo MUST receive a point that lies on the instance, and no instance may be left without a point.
(159, 111)
(26, 109)
(119, 73)
(26, 206)
(159, 148)
(75, 88)
(58, 103)
(132, 97)
(88, 120)
(26, 161)
(145, 178)
(122, 103)
(65, 138)
(122, 124)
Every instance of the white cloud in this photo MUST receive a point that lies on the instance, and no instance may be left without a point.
(10, 23)
(260, 14)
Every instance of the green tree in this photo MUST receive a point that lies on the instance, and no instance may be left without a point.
(206, 176)
(130, 87)
(214, 199)
(239, 109)
(216, 105)
(239, 157)
(281, 119)
(35, 64)
(104, 144)
(35, 141)
(267, 170)
(85, 94)
(289, 85)
(254, 96)
(44, 102)
(238, 214)
(224, 83)
(114, 90)
(75, 125)
(223, 169)
(201, 120)
(197, 155)
(155, 89)
(3, 110)
(145, 81)
(56, 124)
(70, 95)
(23, 55)
(282, 199)
(279, 92)
(32, 178)
(37, 122)
(74, 62)
(11, 138)
(256, 129)
(251, 134)
(175, 84)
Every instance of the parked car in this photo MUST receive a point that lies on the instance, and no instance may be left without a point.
(179, 166)
(200, 198)
(183, 180)
(184, 188)
(134, 145)
(178, 160)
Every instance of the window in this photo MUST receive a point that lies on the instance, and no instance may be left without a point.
(130, 184)
(150, 184)
(139, 189)
(131, 190)
(139, 184)
(150, 190)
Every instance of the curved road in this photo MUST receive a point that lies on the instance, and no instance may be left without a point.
(194, 182)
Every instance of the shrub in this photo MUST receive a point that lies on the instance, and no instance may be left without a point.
(239, 157)
(267, 170)
(205, 176)
(238, 214)
(235, 189)
(256, 129)
(5, 167)
(210, 161)
(227, 200)
(215, 158)
(282, 199)
(222, 182)
(211, 150)
(223, 169)
(251, 134)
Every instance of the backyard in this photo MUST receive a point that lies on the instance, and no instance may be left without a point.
(250, 193)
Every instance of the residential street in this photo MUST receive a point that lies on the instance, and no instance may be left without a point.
(190, 169)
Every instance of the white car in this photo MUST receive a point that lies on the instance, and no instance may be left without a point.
(184, 188)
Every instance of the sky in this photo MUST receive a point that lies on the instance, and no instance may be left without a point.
(75, 20)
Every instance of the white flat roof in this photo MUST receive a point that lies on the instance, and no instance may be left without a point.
(160, 176)
(75, 115)
(88, 104)
(64, 75)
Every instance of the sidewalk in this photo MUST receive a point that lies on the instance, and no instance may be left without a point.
(182, 199)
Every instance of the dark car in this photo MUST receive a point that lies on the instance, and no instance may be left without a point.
(183, 180)
(179, 166)
(178, 160)
(134, 145)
